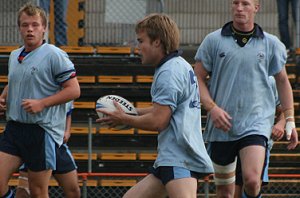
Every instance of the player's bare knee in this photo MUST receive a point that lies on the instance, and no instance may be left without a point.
(252, 185)
(73, 192)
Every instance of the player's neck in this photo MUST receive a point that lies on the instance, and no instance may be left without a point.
(243, 27)
(29, 47)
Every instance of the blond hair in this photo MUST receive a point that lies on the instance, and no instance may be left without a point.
(32, 10)
(162, 27)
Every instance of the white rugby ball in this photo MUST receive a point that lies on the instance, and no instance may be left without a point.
(107, 102)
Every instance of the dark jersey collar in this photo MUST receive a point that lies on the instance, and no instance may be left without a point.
(169, 56)
(226, 30)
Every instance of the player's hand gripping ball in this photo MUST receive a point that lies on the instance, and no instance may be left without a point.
(107, 102)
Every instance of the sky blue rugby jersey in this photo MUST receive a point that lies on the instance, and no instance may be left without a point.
(39, 75)
(181, 143)
(239, 81)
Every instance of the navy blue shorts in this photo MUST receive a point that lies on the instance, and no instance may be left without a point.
(224, 153)
(168, 173)
(31, 143)
(64, 161)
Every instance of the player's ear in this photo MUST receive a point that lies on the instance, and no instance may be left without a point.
(156, 42)
(257, 6)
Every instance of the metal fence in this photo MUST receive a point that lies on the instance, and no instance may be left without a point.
(281, 185)
(111, 22)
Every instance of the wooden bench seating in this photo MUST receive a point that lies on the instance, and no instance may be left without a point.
(13, 182)
(117, 182)
(284, 170)
(289, 157)
(297, 51)
(143, 104)
(84, 105)
(89, 182)
(147, 156)
(2, 127)
(117, 156)
(3, 79)
(290, 64)
(114, 50)
(144, 79)
(146, 132)
(84, 156)
(82, 130)
(85, 79)
(292, 78)
(115, 79)
(53, 182)
(7, 49)
(78, 49)
(116, 131)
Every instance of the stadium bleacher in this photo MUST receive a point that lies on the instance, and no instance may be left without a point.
(103, 72)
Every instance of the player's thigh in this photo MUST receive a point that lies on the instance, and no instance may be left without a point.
(69, 181)
(9, 164)
(184, 187)
(148, 187)
(252, 161)
(39, 180)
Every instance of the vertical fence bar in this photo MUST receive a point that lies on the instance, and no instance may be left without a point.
(90, 146)
(206, 187)
(298, 25)
(162, 6)
(84, 186)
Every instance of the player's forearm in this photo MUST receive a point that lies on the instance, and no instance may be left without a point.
(287, 101)
(145, 122)
(205, 97)
(142, 111)
(4, 92)
(285, 95)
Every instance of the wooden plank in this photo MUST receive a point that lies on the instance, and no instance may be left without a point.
(78, 50)
(115, 79)
(82, 130)
(117, 156)
(143, 104)
(285, 156)
(116, 131)
(292, 78)
(84, 105)
(7, 49)
(290, 64)
(89, 182)
(113, 50)
(145, 132)
(84, 156)
(2, 128)
(144, 79)
(3, 79)
(296, 105)
(117, 182)
(13, 182)
(85, 79)
(53, 182)
(147, 156)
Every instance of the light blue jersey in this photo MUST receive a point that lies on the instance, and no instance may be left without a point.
(181, 143)
(39, 75)
(239, 81)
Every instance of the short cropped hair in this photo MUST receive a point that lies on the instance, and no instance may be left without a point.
(160, 26)
(32, 10)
